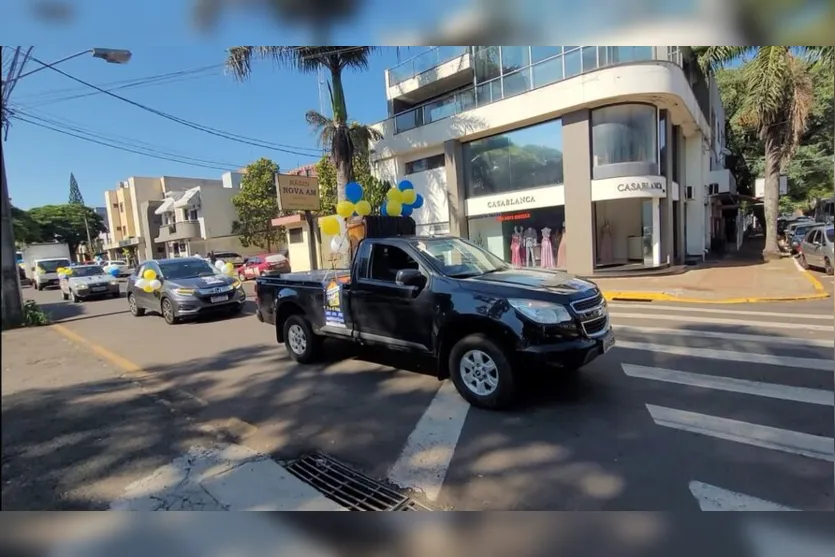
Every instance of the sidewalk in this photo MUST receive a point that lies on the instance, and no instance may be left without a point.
(742, 277)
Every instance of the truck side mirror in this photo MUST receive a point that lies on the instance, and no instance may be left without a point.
(410, 277)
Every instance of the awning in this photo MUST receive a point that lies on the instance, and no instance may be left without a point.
(166, 206)
(191, 196)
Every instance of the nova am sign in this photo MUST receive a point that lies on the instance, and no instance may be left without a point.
(297, 193)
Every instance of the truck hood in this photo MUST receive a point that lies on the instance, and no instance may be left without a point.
(95, 279)
(557, 282)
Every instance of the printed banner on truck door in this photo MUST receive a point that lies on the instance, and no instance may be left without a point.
(333, 304)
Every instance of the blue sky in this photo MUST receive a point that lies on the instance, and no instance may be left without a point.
(269, 107)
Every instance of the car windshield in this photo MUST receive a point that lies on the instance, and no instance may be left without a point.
(459, 258)
(802, 230)
(830, 234)
(52, 265)
(89, 271)
(186, 268)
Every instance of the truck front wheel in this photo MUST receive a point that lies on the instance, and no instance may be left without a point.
(299, 339)
(482, 372)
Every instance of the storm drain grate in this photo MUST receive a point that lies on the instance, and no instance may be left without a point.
(348, 487)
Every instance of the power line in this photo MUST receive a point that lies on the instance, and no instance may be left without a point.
(290, 149)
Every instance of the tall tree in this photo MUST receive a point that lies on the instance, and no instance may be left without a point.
(338, 134)
(26, 229)
(75, 192)
(67, 223)
(257, 206)
(776, 103)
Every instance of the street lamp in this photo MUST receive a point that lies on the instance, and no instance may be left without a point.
(12, 300)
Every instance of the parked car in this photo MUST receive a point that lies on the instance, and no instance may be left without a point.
(480, 319)
(190, 287)
(88, 281)
(796, 232)
(121, 264)
(263, 265)
(235, 259)
(816, 249)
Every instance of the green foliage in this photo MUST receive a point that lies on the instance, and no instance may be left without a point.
(257, 206)
(75, 192)
(65, 223)
(26, 229)
(375, 190)
(33, 315)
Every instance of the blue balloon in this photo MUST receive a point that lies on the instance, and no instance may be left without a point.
(383, 208)
(406, 211)
(418, 202)
(353, 192)
(405, 185)
(114, 272)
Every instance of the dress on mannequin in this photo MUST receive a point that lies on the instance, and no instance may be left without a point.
(546, 253)
(516, 247)
(561, 263)
(605, 256)
(530, 241)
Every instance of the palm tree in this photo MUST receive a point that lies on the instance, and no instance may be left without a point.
(342, 137)
(777, 105)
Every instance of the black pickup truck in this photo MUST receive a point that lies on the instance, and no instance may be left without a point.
(481, 319)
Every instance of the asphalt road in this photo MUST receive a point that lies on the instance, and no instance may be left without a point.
(724, 407)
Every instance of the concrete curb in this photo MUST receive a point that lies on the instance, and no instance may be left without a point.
(819, 288)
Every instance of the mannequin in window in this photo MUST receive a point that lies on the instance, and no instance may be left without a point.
(546, 260)
(516, 247)
(605, 256)
(561, 262)
(530, 242)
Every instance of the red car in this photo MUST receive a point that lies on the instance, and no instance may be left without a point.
(267, 264)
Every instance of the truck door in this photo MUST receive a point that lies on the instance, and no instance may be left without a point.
(385, 312)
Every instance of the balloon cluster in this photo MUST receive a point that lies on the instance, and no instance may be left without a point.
(149, 281)
(112, 270)
(226, 268)
(402, 200)
(64, 271)
(354, 203)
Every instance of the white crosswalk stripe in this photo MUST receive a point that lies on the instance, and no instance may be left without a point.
(757, 351)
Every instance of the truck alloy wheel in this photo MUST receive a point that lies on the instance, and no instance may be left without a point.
(299, 339)
(482, 372)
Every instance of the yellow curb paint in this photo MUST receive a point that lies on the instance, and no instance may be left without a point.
(819, 288)
(115, 359)
(638, 296)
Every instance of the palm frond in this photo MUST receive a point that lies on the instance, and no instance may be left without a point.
(768, 74)
(323, 126)
(361, 136)
(801, 99)
(716, 57)
(822, 57)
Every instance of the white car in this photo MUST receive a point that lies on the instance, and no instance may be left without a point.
(45, 271)
(88, 281)
(122, 265)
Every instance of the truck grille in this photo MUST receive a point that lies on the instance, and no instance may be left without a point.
(594, 327)
(594, 319)
(588, 303)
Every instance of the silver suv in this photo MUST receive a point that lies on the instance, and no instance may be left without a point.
(816, 249)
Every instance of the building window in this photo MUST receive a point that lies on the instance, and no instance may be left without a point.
(662, 142)
(422, 165)
(525, 239)
(192, 215)
(121, 206)
(525, 158)
(624, 138)
(295, 235)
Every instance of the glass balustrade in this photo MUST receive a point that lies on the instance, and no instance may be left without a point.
(424, 62)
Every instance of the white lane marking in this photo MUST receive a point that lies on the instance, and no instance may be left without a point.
(812, 446)
(424, 461)
(731, 356)
(720, 321)
(770, 390)
(768, 339)
(822, 316)
(712, 498)
(223, 477)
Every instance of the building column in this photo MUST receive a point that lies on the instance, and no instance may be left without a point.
(579, 224)
(681, 215)
(656, 230)
(456, 193)
(666, 203)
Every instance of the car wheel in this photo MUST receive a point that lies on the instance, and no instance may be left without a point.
(803, 262)
(299, 340)
(135, 310)
(827, 266)
(74, 297)
(168, 312)
(64, 295)
(482, 372)
(238, 308)
(38, 286)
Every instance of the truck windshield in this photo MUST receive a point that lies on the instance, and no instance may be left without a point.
(459, 258)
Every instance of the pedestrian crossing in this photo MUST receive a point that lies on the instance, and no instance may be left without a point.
(798, 365)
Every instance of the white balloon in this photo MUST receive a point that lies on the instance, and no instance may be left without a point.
(342, 227)
(141, 283)
(336, 243)
(155, 284)
(219, 264)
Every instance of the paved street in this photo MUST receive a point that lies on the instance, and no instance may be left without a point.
(718, 407)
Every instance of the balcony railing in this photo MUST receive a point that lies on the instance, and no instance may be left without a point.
(424, 62)
(567, 64)
(184, 230)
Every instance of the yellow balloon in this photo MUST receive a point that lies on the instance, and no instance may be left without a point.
(229, 269)
(393, 208)
(345, 209)
(61, 271)
(330, 226)
(395, 195)
(148, 288)
(363, 207)
(149, 275)
(68, 271)
(409, 196)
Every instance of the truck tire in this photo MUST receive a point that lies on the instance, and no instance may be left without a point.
(301, 343)
(482, 372)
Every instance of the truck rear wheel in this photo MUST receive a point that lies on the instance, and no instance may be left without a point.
(300, 341)
(482, 372)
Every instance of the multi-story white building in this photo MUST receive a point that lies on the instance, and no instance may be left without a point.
(610, 157)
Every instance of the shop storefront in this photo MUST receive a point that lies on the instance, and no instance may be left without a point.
(514, 195)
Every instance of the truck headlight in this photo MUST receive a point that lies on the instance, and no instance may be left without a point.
(544, 313)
